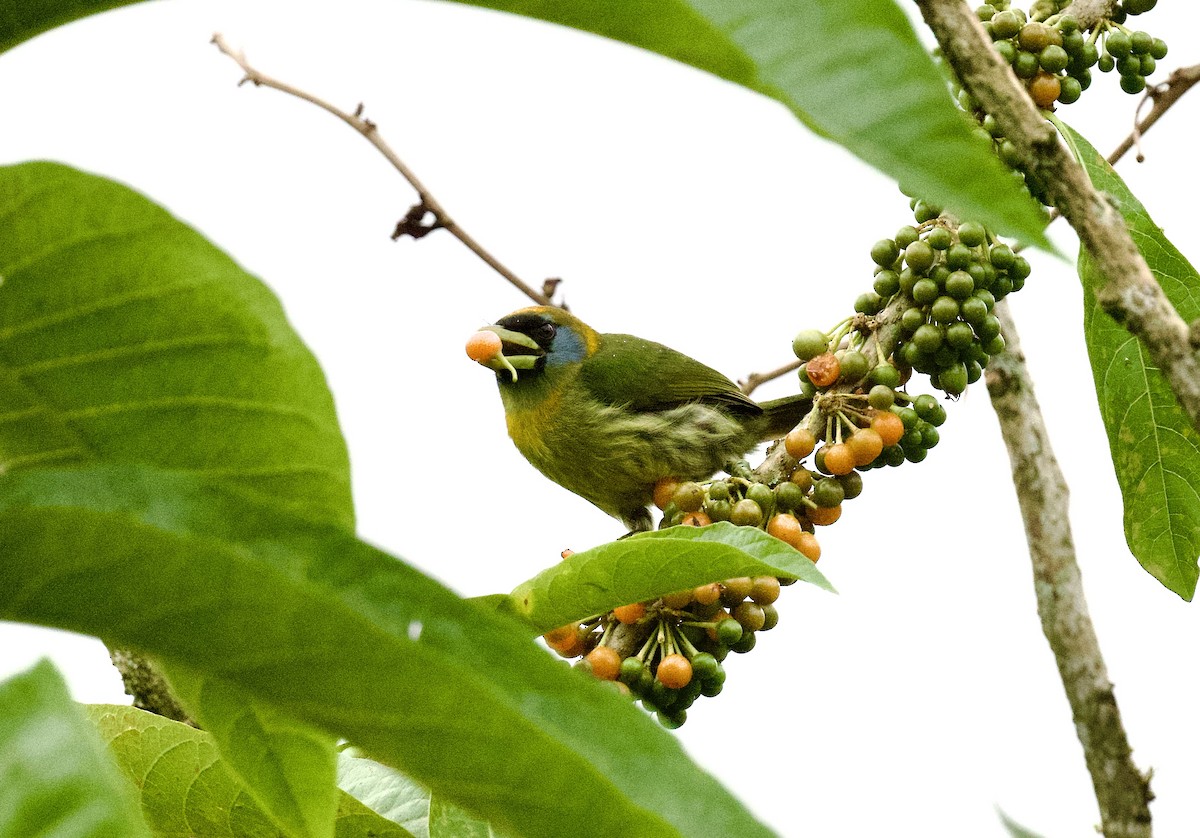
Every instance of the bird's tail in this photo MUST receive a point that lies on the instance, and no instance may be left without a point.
(781, 415)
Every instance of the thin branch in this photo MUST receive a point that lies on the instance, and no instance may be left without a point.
(756, 379)
(413, 223)
(1163, 96)
(1130, 294)
(1122, 791)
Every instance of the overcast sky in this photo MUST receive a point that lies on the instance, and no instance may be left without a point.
(689, 211)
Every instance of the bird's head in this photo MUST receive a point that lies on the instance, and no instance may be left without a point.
(529, 342)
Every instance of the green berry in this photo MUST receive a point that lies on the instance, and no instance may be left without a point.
(1106, 63)
(855, 366)
(909, 416)
(881, 397)
(915, 455)
(973, 310)
(953, 379)
(1005, 24)
(906, 235)
(1020, 267)
(989, 328)
(746, 513)
(828, 492)
(960, 285)
(960, 335)
(788, 496)
(718, 490)
(893, 456)
(939, 238)
(868, 303)
(972, 233)
(919, 256)
(631, 670)
(994, 346)
(929, 436)
(1007, 50)
(1069, 90)
(944, 310)
(1118, 44)
(884, 374)
(925, 211)
(1129, 65)
(1158, 50)
(1140, 43)
(927, 339)
(810, 343)
(958, 257)
(745, 644)
(1053, 59)
(704, 666)
(925, 291)
(887, 283)
(1025, 65)
(1002, 256)
(1148, 65)
(729, 631)
(884, 252)
(927, 408)
(1073, 43)
(762, 495)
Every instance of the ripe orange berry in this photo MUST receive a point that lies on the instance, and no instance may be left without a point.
(678, 599)
(696, 519)
(809, 547)
(561, 635)
(484, 345)
(824, 370)
(1044, 88)
(573, 647)
(800, 442)
(674, 671)
(824, 516)
(785, 527)
(865, 444)
(888, 426)
(606, 663)
(664, 490)
(839, 459)
(568, 553)
(629, 614)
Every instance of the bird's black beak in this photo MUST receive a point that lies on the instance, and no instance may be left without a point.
(518, 351)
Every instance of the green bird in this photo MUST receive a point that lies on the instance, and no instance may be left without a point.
(607, 416)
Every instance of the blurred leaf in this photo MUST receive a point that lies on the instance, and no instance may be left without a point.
(448, 821)
(853, 71)
(125, 336)
(385, 790)
(21, 20)
(1015, 829)
(289, 768)
(1155, 449)
(650, 564)
(342, 636)
(187, 789)
(56, 779)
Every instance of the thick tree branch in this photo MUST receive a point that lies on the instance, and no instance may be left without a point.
(1122, 791)
(1130, 295)
(413, 223)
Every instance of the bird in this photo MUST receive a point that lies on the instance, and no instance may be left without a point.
(607, 416)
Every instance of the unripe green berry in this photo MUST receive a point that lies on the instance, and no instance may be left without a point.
(810, 343)
(939, 238)
(887, 283)
(854, 365)
(972, 233)
(747, 513)
(960, 285)
(1118, 44)
(925, 291)
(884, 374)
(884, 252)
(906, 235)
(919, 257)
(944, 309)
(881, 397)
(828, 492)
(1053, 59)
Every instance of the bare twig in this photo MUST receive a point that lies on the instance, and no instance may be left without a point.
(413, 224)
(1130, 294)
(1163, 97)
(756, 379)
(1122, 791)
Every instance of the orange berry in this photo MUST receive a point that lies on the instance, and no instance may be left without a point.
(809, 547)
(674, 671)
(629, 614)
(888, 426)
(678, 599)
(823, 517)
(865, 444)
(824, 370)
(707, 594)
(695, 519)
(800, 442)
(839, 459)
(664, 490)
(606, 663)
(561, 635)
(484, 345)
(785, 527)
(1044, 88)
(568, 553)
(574, 647)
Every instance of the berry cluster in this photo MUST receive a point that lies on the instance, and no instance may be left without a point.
(1054, 56)
(688, 634)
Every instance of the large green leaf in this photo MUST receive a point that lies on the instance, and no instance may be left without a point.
(650, 564)
(22, 19)
(854, 71)
(125, 336)
(56, 780)
(1155, 449)
(340, 635)
(187, 789)
(288, 767)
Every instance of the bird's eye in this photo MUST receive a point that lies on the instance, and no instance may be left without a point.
(545, 333)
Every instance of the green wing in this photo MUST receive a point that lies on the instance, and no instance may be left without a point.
(646, 376)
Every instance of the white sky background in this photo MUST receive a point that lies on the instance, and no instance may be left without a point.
(685, 210)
